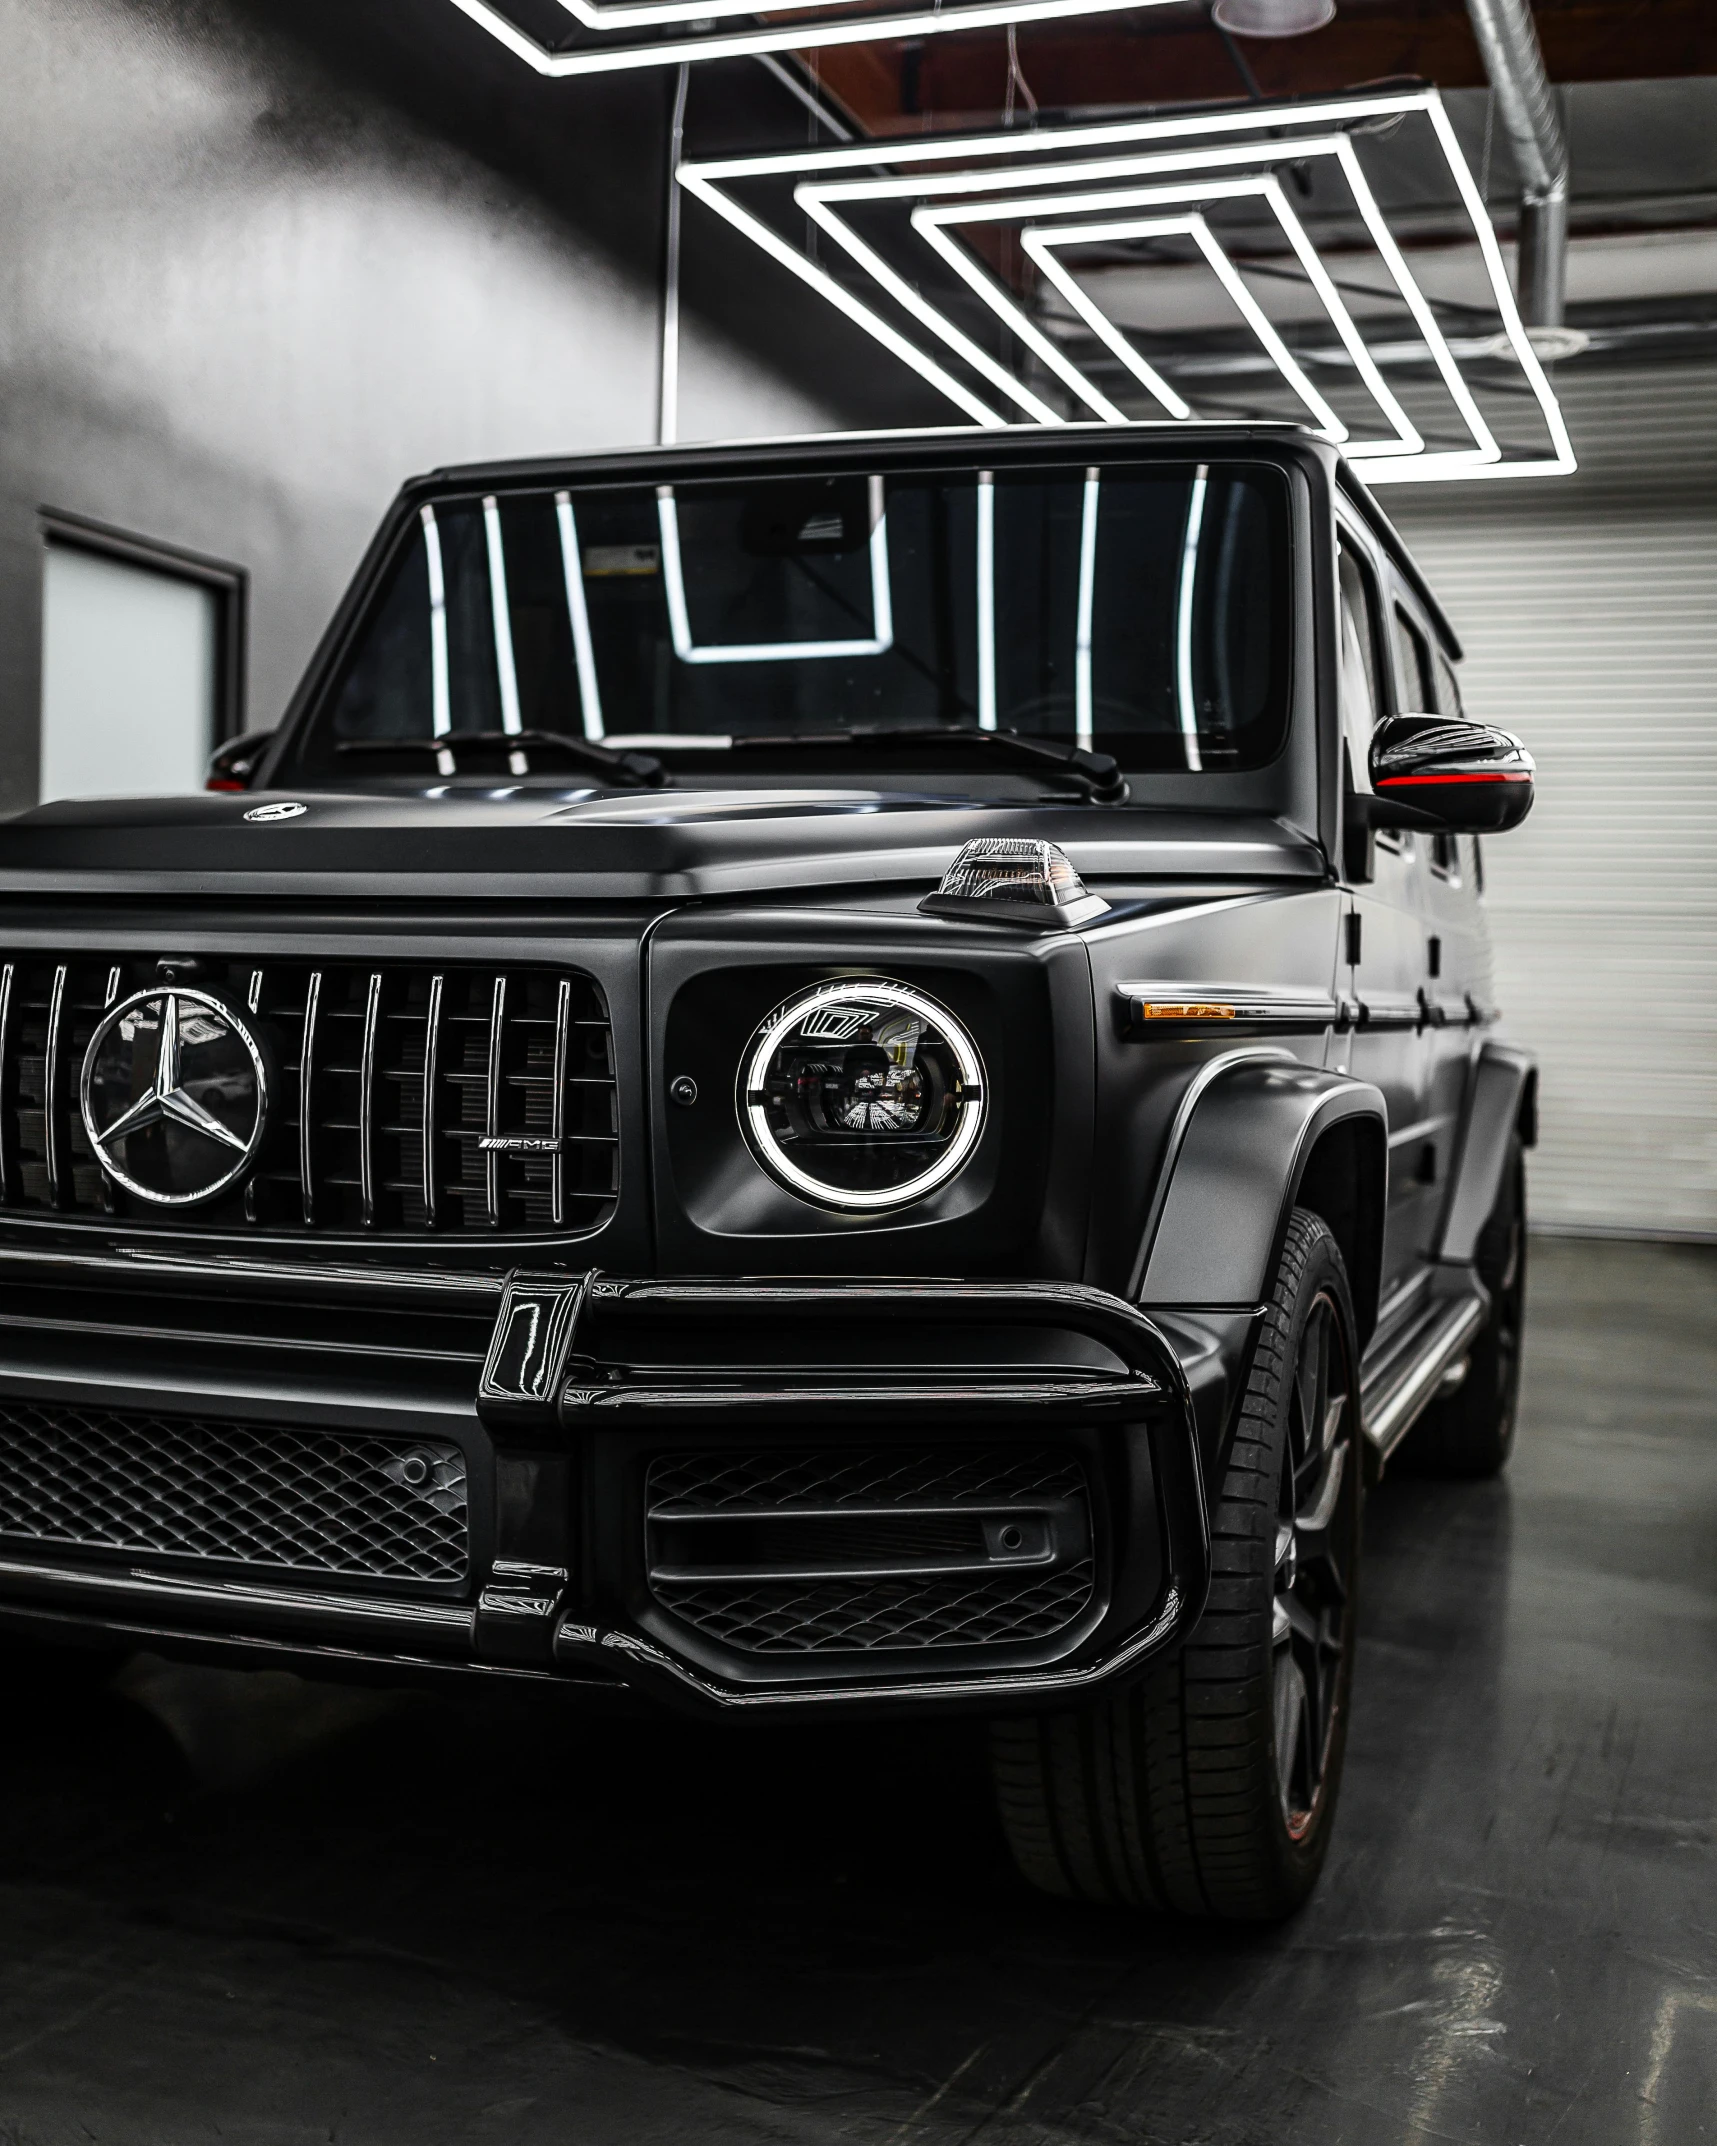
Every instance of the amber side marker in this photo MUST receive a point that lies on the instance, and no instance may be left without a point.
(1191, 1010)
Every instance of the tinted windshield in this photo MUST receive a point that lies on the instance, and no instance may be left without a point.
(1140, 611)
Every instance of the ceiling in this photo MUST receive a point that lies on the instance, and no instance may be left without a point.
(1638, 88)
(1174, 55)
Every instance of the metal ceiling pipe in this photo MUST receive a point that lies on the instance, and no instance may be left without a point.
(1526, 105)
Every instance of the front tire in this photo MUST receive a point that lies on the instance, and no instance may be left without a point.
(1210, 1787)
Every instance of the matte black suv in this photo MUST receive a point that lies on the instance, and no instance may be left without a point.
(847, 1076)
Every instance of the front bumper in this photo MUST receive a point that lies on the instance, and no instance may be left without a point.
(729, 1496)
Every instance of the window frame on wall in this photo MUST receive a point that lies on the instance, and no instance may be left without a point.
(228, 584)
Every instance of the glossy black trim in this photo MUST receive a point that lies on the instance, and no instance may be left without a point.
(1149, 1394)
(326, 1281)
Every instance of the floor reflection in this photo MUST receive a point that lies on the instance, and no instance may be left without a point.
(245, 1907)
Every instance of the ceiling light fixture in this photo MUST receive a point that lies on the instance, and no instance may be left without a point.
(1272, 18)
(1222, 155)
(807, 32)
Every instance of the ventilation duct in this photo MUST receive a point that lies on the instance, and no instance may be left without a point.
(1526, 106)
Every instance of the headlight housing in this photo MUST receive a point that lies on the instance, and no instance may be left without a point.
(862, 1094)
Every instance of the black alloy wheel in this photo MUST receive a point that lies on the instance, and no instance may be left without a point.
(1209, 1788)
(1315, 1547)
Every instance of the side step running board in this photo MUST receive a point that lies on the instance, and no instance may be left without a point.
(1396, 1391)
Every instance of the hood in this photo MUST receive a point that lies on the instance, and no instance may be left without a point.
(663, 845)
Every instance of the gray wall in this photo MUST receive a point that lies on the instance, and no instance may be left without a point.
(1588, 612)
(263, 258)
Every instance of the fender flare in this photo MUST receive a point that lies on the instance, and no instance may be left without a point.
(1237, 1158)
(1501, 1100)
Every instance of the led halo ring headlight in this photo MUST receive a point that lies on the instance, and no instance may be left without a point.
(862, 1094)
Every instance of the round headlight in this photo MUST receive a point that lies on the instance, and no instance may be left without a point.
(862, 1094)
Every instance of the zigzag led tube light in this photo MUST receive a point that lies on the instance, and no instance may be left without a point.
(1211, 141)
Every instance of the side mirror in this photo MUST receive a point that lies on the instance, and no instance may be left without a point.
(233, 766)
(1457, 777)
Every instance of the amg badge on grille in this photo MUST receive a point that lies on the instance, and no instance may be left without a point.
(175, 1095)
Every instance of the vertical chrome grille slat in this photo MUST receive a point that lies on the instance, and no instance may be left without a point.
(520, 1056)
(52, 1144)
(492, 1116)
(367, 1100)
(431, 1074)
(306, 1114)
(557, 1120)
(252, 1196)
(8, 1086)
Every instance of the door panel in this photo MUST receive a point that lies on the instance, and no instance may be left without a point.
(1391, 1048)
(1386, 949)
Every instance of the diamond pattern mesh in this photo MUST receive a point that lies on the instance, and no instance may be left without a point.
(685, 1483)
(993, 1606)
(964, 1609)
(304, 1501)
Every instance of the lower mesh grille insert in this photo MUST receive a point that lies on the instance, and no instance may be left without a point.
(787, 1551)
(861, 1615)
(280, 1497)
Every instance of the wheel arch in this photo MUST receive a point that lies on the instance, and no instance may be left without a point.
(1501, 1106)
(1264, 1134)
(1344, 1179)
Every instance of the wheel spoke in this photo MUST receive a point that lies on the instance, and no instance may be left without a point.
(1290, 1730)
(1317, 1554)
(1303, 1621)
(1315, 1515)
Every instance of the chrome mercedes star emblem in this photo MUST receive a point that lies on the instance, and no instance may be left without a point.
(174, 1095)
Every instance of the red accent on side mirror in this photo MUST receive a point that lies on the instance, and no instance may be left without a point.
(1464, 778)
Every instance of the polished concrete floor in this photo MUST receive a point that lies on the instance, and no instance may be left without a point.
(235, 1908)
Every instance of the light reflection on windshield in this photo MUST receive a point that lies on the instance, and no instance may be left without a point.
(1136, 610)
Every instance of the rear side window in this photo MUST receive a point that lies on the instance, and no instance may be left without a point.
(1413, 654)
(1361, 701)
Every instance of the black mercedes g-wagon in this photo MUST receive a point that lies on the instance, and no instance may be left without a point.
(841, 1077)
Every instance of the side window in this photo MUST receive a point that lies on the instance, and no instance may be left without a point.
(1413, 658)
(1448, 701)
(1362, 701)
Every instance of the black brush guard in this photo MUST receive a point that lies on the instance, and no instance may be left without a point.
(589, 1377)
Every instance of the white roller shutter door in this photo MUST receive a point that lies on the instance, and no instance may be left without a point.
(1588, 609)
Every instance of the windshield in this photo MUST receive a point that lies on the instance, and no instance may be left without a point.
(1142, 612)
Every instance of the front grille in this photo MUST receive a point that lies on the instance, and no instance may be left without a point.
(182, 1487)
(802, 1552)
(391, 1076)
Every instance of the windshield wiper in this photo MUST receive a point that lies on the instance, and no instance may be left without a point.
(1099, 773)
(638, 771)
